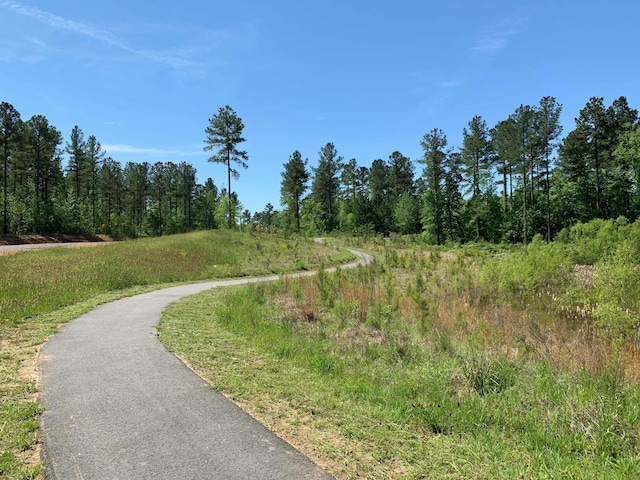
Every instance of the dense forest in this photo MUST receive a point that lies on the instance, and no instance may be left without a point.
(507, 183)
(93, 193)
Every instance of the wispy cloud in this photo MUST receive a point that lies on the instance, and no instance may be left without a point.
(94, 32)
(143, 151)
(450, 83)
(37, 42)
(9, 55)
(497, 37)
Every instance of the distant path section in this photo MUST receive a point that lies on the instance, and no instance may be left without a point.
(118, 405)
(33, 246)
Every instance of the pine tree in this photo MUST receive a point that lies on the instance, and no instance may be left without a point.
(618, 190)
(433, 145)
(294, 183)
(326, 183)
(111, 187)
(93, 155)
(476, 160)
(381, 202)
(550, 129)
(224, 133)
(400, 175)
(348, 179)
(136, 184)
(186, 191)
(524, 120)
(476, 152)
(42, 162)
(504, 139)
(9, 124)
(454, 211)
(592, 125)
(76, 148)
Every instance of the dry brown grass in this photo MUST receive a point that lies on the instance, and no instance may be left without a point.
(451, 303)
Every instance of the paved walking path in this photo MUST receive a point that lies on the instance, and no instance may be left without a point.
(36, 246)
(118, 405)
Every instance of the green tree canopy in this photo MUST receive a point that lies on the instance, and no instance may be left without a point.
(476, 152)
(294, 183)
(434, 160)
(9, 123)
(326, 183)
(223, 135)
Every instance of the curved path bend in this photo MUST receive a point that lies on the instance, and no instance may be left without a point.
(118, 405)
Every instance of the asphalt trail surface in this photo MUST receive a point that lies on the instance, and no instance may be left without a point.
(118, 405)
(37, 246)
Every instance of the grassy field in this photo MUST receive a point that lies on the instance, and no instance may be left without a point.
(473, 362)
(479, 362)
(40, 290)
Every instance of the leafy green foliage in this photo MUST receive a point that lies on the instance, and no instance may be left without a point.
(538, 267)
(406, 214)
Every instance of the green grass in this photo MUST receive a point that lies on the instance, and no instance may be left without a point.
(40, 290)
(406, 370)
(42, 281)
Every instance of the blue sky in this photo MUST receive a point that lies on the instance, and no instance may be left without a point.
(370, 76)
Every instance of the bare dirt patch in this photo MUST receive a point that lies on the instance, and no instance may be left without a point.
(51, 238)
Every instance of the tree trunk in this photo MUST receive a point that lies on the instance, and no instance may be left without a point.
(5, 227)
(597, 162)
(504, 187)
(229, 180)
(548, 202)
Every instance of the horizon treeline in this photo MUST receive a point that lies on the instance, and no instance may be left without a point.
(505, 183)
(92, 193)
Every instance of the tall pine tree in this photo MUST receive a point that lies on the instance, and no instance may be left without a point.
(9, 124)
(294, 183)
(326, 183)
(223, 135)
(434, 157)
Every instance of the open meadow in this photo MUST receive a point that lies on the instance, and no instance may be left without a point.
(39, 290)
(472, 362)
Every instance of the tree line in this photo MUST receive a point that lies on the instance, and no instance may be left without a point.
(93, 193)
(508, 183)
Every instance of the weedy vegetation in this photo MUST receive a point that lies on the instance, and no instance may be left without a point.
(474, 361)
(42, 289)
